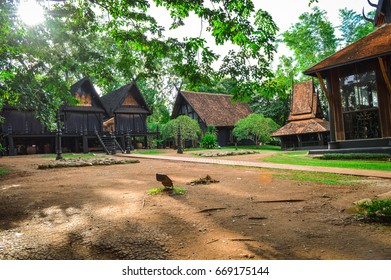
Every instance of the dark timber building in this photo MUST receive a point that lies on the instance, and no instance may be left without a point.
(211, 109)
(83, 124)
(127, 113)
(357, 84)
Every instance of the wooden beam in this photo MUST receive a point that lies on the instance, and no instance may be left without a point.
(384, 72)
(323, 86)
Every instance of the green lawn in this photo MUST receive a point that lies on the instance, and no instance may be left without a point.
(301, 158)
(325, 178)
(68, 155)
(149, 152)
(230, 148)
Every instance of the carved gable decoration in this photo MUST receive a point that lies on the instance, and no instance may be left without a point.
(302, 99)
(85, 98)
(130, 100)
(304, 102)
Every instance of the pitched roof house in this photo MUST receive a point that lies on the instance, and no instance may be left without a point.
(21, 130)
(127, 112)
(306, 128)
(211, 109)
(357, 83)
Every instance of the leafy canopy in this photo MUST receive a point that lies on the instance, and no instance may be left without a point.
(117, 40)
(256, 128)
(190, 129)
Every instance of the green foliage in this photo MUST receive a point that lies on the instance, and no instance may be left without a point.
(312, 39)
(211, 129)
(190, 129)
(115, 41)
(376, 209)
(208, 141)
(356, 156)
(353, 26)
(255, 127)
(174, 191)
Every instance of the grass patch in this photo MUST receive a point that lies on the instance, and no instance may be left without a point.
(301, 158)
(162, 189)
(3, 171)
(69, 155)
(324, 178)
(148, 152)
(377, 210)
(356, 156)
(232, 148)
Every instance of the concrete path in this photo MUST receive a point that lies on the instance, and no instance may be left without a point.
(344, 171)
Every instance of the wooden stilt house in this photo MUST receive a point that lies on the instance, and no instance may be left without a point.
(83, 121)
(357, 83)
(306, 128)
(127, 114)
(210, 109)
(22, 133)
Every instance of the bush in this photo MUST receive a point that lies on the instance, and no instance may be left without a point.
(376, 209)
(208, 141)
(356, 156)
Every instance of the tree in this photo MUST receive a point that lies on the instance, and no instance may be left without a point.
(190, 129)
(312, 39)
(114, 41)
(353, 26)
(256, 128)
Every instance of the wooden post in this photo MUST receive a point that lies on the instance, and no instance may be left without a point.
(128, 142)
(384, 73)
(85, 142)
(58, 138)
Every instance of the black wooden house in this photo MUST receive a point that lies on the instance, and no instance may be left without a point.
(127, 114)
(22, 133)
(83, 121)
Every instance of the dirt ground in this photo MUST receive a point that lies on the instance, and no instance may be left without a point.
(103, 212)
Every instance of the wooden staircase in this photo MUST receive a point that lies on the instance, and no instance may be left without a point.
(109, 143)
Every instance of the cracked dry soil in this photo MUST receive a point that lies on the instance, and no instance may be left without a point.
(103, 212)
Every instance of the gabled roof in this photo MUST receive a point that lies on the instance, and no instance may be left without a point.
(303, 127)
(86, 83)
(304, 102)
(214, 109)
(113, 101)
(375, 44)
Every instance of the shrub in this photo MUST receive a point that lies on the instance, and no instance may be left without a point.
(208, 141)
(376, 209)
(356, 156)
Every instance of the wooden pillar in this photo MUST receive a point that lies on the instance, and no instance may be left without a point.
(335, 98)
(384, 100)
(85, 142)
(11, 146)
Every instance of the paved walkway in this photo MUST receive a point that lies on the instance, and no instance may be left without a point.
(345, 171)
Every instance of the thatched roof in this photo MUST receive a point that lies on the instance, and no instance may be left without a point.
(114, 100)
(214, 109)
(375, 44)
(303, 127)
